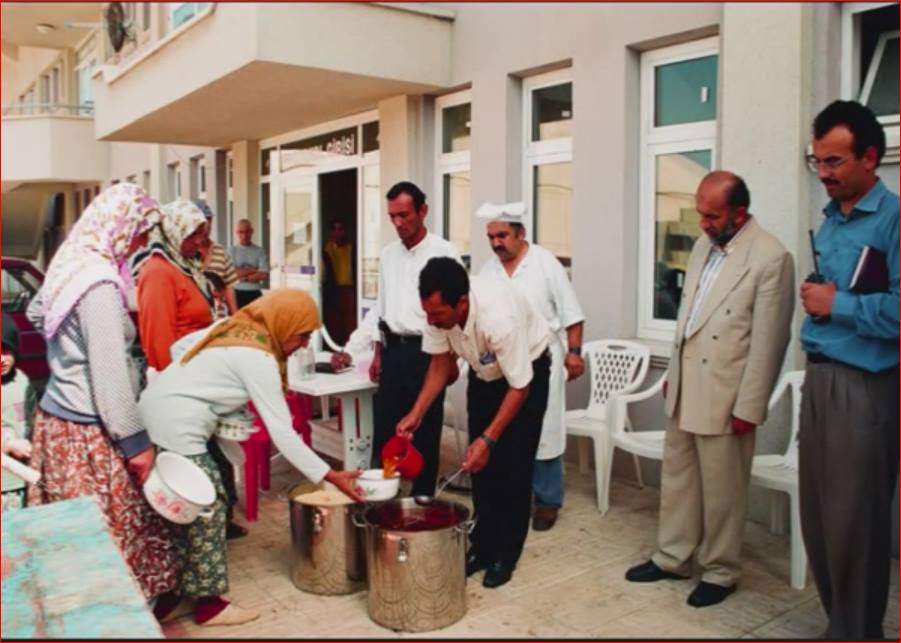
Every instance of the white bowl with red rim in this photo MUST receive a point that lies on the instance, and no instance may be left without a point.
(179, 490)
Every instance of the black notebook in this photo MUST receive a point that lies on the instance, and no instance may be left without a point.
(871, 274)
(326, 367)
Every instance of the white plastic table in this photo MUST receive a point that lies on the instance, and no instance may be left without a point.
(352, 444)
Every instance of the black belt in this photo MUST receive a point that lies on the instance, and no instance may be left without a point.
(819, 358)
(394, 339)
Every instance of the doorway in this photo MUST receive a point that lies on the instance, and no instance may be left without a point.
(339, 253)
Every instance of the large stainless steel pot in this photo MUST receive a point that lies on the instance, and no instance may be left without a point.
(327, 548)
(415, 560)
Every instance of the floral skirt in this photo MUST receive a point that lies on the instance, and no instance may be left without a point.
(78, 460)
(200, 546)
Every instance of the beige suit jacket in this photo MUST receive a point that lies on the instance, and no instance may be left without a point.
(729, 363)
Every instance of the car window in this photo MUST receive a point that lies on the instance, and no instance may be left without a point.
(18, 286)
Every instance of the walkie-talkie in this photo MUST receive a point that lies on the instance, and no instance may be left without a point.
(816, 276)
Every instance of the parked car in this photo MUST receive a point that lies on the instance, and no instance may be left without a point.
(21, 281)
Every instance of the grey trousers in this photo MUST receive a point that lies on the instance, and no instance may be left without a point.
(848, 465)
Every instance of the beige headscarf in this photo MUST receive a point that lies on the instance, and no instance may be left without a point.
(266, 324)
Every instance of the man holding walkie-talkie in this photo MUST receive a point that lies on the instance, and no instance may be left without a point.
(849, 412)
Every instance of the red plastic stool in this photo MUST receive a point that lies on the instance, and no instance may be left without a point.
(258, 447)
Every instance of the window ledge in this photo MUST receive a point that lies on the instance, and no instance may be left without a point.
(660, 350)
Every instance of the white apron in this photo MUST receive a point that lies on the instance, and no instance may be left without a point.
(543, 281)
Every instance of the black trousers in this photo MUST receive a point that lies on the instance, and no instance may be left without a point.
(403, 371)
(502, 491)
(244, 297)
(848, 457)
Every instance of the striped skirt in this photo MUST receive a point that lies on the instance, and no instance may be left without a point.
(78, 460)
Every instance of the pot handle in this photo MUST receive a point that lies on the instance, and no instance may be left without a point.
(465, 527)
(356, 517)
(403, 550)
(318, 518)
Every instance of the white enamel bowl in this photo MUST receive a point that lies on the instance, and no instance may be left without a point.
(376, 487)
(178, 489)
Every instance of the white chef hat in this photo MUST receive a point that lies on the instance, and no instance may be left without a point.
(504, 213)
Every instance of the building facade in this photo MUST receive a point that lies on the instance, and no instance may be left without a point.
(602, 117)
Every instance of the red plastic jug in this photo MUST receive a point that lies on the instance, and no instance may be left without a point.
(407, 459)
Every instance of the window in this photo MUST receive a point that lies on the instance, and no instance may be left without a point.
(454, 200)
(173, 182)
(19, 286)
(870, 40)
(370, 137)
(197, 187)
(372, 220)
(678, 141)
(85, 64)
(55, 87)
(181, 12)
(548, 114)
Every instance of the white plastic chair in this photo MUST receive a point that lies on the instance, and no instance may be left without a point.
(457, 418)
(645, 444)
(615, 366)
(779, 472)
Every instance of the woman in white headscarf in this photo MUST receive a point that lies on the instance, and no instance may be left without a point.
(87, 438)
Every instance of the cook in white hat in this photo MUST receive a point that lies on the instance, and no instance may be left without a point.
(539, 275)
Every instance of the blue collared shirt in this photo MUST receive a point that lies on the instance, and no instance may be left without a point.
(863, 329)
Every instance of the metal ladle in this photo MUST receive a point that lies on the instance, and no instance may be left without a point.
(427, 500)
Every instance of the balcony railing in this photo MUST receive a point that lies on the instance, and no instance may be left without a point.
(52, 109)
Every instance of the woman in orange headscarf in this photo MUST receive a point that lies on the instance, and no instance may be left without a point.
(241, 359)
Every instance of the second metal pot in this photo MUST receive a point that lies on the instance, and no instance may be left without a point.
(327, 548)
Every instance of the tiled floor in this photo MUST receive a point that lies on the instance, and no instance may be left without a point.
(569, 583)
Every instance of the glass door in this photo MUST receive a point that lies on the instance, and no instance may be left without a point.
(294, 240)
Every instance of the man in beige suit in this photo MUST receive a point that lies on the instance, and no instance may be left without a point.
(731, 335)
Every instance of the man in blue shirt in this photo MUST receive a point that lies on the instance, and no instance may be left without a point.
(848, 437)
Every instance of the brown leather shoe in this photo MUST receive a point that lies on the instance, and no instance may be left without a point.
(544, 518)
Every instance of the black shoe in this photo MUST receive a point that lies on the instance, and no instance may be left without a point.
(706, 594)
(648, 572)
(497, 574)
(474, 563)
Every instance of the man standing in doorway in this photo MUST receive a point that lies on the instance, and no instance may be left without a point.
(338, 291)
(250, 262)
(538, 275)
(504, 339)
(399, 365)
(848, 438)
(733, 328)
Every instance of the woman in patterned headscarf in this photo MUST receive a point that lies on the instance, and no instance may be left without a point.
(241, 359)
(174, 298)
(87, 439)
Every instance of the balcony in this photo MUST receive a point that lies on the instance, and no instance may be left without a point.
(247, 71)
(50, 143)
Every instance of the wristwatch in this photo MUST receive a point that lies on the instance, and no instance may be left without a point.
(489, 441)
(576, 350)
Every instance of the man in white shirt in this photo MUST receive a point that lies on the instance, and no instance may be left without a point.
(538, 275)
(505, 341)
(399, 365)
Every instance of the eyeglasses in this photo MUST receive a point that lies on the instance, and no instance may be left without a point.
(830, 162)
